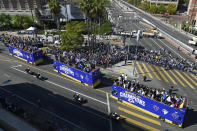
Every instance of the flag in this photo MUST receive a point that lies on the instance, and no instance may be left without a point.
(138, 35)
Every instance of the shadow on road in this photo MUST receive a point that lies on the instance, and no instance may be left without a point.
(190, 118)
(105, 81)
(47, 61)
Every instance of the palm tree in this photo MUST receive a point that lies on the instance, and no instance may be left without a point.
(55, 8)
(85, 6)
(94, 9)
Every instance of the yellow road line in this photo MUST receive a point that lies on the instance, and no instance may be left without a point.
(47, 72)
(177, 78)
(184, 79)
(148, 72)
(165, 79)
(173, 81)
(195, 77)
(137, 108)
(154, 72)
(140, 116)
(195, 83)
(102, 91)
(139, 124)
(140, 68)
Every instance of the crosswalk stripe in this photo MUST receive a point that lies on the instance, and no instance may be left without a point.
(139, 116)
(154, 72)
(177, 78)
(148, 72)
(190, 79)
(140, 124)
(165, 79)
(174, 82)
(195, 77)
(140, 68)
(184, 79)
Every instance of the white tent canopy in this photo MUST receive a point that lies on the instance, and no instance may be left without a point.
(31, 28)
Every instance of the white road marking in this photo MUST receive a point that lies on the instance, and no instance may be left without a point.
(65, 88)
(76, 92)
(65, 102)
(42, 108)
(16, 66)
(19, 70)
(6, 75)
(167, 46)
(86, 110)
(108, 106)
(172, 50)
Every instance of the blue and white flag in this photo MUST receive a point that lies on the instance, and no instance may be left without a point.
(138, 35)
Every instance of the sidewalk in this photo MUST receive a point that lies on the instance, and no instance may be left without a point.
(119, 68)
(11, 123)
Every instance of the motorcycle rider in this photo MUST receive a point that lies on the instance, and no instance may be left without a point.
(28, 70)
(38, 75)
(76, 96)
(114, 115)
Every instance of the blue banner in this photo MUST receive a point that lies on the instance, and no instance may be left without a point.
(153, 107)
(89, 79)
(34, 58)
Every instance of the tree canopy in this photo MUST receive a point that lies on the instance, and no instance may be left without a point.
(171, 8)
(161, 9)
(22, 21)
(105, 28)
(55, 8)
(145, 5)
(153, 8)
(5, 20)
(72, 38)
(95, 9)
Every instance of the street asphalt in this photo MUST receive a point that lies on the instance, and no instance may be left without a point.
(172, 32)
(56, 92)
(56, 96)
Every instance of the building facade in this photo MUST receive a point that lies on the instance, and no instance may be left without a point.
(164, 2)
(68, 11)
(20, 6)
(191, 12)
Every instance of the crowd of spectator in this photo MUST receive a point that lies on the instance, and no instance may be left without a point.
(161, 95)
(28, 43)
(86, 60)
(103, 54)
(165, 59)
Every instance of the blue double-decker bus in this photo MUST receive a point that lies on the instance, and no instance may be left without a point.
(150, 106)
(34, 57)
(91, 79)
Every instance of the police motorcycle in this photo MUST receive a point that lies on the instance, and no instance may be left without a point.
(37, 75)
(29, 71)
(114, 116)
(78, 99)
